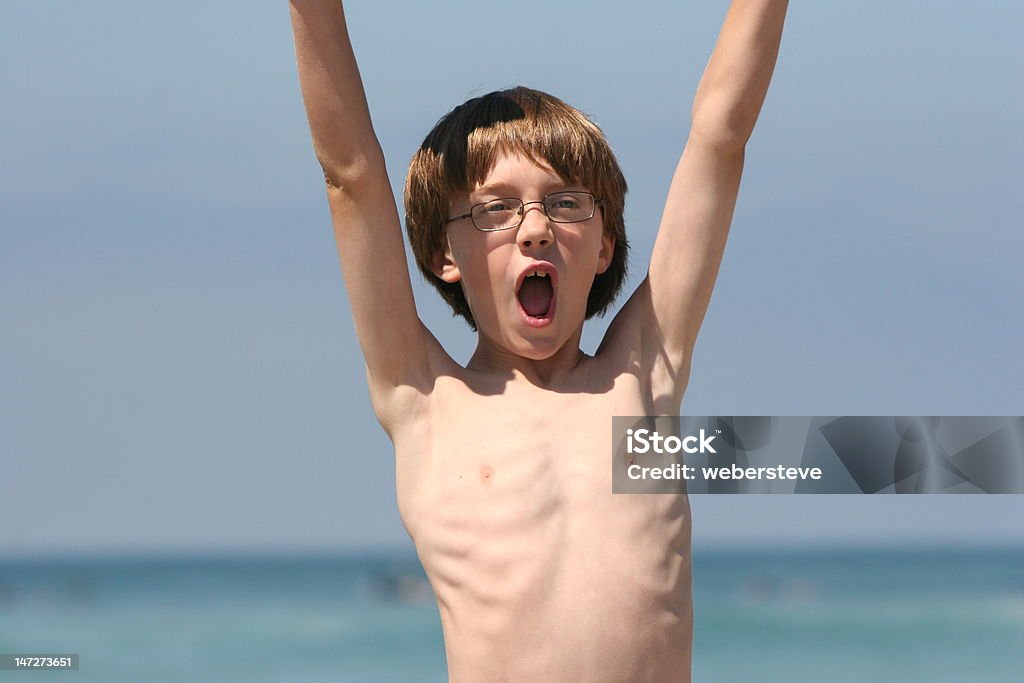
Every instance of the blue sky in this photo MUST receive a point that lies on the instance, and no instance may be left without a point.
(177, 364)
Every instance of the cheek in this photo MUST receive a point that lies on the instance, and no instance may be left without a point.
(583, 250)
(482, 263)
(464, 252)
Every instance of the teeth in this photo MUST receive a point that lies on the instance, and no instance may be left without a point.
(537, 273)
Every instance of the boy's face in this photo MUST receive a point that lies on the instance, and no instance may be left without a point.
(532, 317)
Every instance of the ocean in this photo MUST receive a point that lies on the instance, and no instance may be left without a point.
(937, 615)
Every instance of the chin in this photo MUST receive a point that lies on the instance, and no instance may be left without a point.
(538, 344)
(536, 351)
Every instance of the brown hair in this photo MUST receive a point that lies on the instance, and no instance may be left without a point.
(460, 151)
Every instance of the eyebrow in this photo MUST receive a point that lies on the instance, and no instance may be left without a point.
(500, 188)
(493, 188)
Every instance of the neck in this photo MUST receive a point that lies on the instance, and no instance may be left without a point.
(492, 358)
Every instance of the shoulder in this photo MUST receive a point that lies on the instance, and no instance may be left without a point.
(400, 405)
(634, 343)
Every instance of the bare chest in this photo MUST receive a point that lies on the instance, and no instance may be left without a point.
(509, 501)
(513, 463)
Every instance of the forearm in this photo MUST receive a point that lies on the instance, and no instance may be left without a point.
(735, 82)
(339, 118)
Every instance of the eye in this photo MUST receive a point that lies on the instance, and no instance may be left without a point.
(564, 201)
(497, 206)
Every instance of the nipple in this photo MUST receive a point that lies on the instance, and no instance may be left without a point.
(485, 474)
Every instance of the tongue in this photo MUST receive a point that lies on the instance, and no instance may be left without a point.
(535, 295)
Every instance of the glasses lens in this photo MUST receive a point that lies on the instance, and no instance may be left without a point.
(498, 214)
(569, 207)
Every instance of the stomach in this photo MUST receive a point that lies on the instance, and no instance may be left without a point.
(590, 588)
(581, 626)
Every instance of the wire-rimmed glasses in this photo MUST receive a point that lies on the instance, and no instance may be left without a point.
(508, 213)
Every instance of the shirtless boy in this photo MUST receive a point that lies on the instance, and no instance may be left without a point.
(503, 478)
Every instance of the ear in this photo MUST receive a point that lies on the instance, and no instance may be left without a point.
(444, 264)
(604, 257)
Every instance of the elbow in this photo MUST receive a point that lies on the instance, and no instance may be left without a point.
(721, 134)
(724, 128)
(722, 143)
(351, 172)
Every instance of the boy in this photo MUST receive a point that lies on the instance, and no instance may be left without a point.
(514, 211)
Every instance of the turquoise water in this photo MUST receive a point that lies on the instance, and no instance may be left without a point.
(932, 616)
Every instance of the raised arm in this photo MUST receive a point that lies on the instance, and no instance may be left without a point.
(670, 304)
(366, 224)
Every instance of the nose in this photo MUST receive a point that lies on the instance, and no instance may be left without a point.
(535, 230)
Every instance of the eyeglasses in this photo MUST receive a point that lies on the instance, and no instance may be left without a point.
(505, 214)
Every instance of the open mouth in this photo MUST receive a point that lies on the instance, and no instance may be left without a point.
(536, 295)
